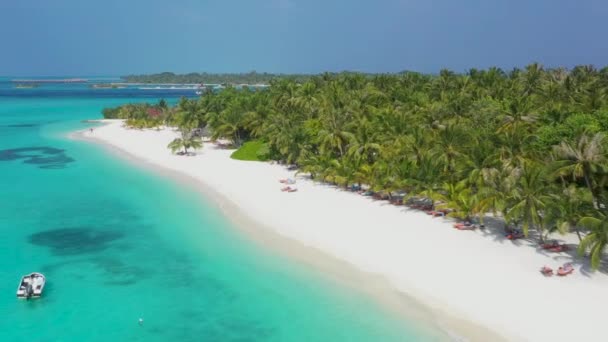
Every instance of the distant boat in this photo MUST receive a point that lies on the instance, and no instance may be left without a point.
(26, 86)
(31, 286)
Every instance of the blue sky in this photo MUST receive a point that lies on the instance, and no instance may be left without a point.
(117, 37)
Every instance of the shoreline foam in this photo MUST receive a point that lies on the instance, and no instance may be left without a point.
(456, 274)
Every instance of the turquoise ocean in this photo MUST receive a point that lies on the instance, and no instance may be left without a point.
(118, 242)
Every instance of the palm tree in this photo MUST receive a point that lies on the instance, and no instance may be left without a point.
(185, 143)
(460, 198)
(517, 114)
(228, 124)
(529, 198)
(568, 207)
(193, 143)
(177, 144)
(583, 159)
(597, 239)
(188, 114)
(449, 142)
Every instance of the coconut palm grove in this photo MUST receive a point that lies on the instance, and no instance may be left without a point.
(527, 145)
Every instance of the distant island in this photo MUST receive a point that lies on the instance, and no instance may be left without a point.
(212, 78)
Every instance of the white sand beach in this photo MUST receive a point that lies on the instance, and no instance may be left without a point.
(477, 276)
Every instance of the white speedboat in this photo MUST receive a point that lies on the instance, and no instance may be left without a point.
(31, 285)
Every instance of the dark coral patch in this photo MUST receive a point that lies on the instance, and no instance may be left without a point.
(74, 241)
(24, 125)
(44, 157)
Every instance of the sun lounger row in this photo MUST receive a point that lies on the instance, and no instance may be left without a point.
(562, 271)
(555, 247)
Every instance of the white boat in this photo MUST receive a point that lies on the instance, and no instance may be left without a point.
(31, 285)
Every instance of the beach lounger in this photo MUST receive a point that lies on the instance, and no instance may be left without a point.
(515, 236)
(397, 201)
(513, 233)
(441, 213)
(464, 226)
(546, 271)
(559, 249)
(436, 213)
(564, 270)
(555, 247)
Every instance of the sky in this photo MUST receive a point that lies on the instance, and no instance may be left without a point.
(119, 37)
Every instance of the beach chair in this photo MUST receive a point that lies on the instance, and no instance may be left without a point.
(513, 233)
(464, 226)
(565, 270)
(355, 188)
(555, 247)
(515, 236)
(441, 213)
(397, 201)
(546, 271)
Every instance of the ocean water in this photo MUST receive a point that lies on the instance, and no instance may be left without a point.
(118, 242)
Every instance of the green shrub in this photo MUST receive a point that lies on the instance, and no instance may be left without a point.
(252, 150)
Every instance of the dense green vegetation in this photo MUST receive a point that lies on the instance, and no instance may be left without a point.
(140, 116)
(207, 78)
(254, 150)
(527, 144)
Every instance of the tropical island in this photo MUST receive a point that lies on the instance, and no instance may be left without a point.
(518, 157)
(252, 77)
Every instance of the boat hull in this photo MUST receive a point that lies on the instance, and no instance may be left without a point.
(31, 286)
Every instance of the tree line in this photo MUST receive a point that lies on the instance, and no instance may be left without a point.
(211, 78)
(528, 144)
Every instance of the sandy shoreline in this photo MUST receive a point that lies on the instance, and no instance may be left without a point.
(483, 279)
